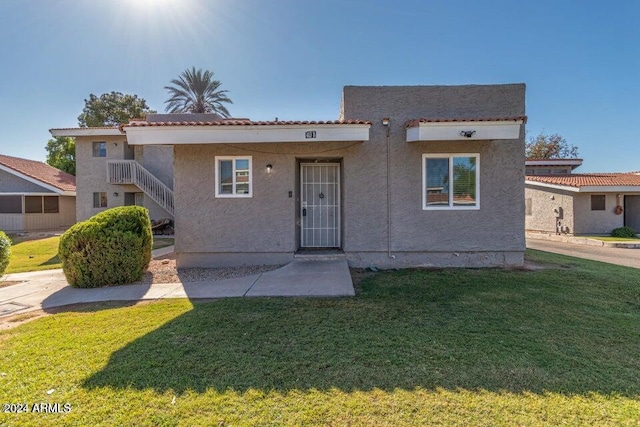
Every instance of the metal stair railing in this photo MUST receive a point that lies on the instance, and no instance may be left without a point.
(132, 172)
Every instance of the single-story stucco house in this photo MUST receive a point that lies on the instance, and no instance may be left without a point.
(407, 176)
(559, 201)
(35, 196)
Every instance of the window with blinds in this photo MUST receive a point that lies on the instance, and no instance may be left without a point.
(450, 181)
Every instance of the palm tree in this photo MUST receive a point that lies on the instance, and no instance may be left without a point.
(195, 91)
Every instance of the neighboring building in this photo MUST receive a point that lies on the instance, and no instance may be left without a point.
(579, 204)
(110, 172)
(35, 196)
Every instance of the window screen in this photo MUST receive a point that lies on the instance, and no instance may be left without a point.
(10, 204)
(51, 204)
(598, 202)
(33, 204)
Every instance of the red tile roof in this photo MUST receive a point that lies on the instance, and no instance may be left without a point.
(589, 179)
(243, 122)
(416, 122)
(40, 171)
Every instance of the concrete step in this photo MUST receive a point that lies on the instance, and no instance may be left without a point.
(319, 255)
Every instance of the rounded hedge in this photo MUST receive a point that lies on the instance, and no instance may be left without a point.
(110, 248)
(5, 252)
(623, 232)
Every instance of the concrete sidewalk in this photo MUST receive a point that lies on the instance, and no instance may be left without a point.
(43, 290)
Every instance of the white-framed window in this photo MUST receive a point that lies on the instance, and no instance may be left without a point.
(100, 200)
(451, 181)
(99, 149)
(233, 176)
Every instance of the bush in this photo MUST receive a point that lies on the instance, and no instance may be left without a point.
(5, 252)
(110, 248)
(623, 232)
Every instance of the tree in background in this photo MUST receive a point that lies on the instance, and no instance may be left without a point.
(195, 91)
(61, 154)
(550, 147)
(112, 109)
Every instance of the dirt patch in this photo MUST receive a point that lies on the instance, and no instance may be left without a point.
(9, 283)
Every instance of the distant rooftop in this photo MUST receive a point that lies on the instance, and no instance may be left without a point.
(40, 171)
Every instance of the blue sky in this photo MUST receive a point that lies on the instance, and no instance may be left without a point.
(290, 59)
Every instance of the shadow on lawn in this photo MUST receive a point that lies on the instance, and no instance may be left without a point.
(53, 260)
(478, 331)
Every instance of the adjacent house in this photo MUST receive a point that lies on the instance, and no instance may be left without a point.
(407, 176)
(561, 202)
(110, 172)
(35, 196)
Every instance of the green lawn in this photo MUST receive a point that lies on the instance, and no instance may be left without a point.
(615, 239)
(554, 346)
(29, 254)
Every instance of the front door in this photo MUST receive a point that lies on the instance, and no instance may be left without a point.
(320, 205)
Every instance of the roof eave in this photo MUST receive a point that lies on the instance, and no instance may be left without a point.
(36, 181)
(74, 132)
(250, 133)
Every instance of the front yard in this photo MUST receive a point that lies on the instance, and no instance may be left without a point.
(41, 253)
(554, 346)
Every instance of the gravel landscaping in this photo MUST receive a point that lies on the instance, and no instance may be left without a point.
(164, 270)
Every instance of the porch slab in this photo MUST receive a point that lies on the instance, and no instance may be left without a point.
(305, 277)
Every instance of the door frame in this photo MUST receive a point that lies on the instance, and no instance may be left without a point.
(298, 205)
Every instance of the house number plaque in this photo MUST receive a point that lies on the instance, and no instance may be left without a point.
(310, 134)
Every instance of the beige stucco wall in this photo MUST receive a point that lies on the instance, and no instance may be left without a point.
(578, 218)
(547, 206)
(216, 231)
(91, 174)
(596, 222)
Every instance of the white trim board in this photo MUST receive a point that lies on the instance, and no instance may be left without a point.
(588, 188)
(85, 132)
(37, 182)
(451, 131)
(177, 135)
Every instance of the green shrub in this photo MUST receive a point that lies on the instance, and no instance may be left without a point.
(623, 232)
(5, 252)
(110, 248)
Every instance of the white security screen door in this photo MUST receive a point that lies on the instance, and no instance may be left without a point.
(320, 205)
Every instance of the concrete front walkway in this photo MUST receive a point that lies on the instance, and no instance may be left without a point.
(301, 278)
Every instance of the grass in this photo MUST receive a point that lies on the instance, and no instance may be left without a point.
(615, 239)
(554, 346)
(29, 254)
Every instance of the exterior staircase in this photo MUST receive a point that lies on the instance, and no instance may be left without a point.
(132, 172)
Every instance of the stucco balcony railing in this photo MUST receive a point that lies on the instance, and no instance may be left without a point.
(132, 172)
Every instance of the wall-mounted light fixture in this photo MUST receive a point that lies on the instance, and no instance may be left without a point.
(269, 168)
(386, 121)
(115, 144)
(115, 194)
(467, 133)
